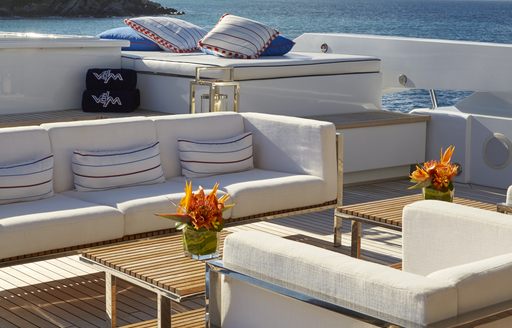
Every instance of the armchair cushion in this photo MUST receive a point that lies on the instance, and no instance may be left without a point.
(439, 235)
(480, 284)
(363, 286)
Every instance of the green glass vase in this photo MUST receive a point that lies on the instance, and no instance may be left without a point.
(200, 244)
(432, 193)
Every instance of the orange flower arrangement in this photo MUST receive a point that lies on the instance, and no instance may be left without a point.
(436, 174)
(200, 211)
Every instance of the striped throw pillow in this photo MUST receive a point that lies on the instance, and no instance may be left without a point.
(205, 158)
(101, 170)
(238, 37)
(171, 34)
(27, 180)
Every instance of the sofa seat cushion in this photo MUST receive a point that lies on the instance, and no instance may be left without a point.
(54, 223)
(139, 204)
(261, 191)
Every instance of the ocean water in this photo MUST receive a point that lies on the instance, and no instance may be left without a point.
(473, 20)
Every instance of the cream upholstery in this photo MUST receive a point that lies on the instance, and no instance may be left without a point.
(438, 235)
(367, 287)
(480, 283)
(459, 262)
(290, 159)
(55, 222)
(109, 134)
(260, 191)
(509, 196)
(197, 126)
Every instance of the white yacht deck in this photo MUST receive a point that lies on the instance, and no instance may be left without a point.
(63, 292)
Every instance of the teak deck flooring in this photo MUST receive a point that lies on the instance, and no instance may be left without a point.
(63, 292)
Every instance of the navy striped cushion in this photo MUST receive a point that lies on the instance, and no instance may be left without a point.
(100, 170)
(238, 37)
(27, 180)
(171, 34)
(205, 158)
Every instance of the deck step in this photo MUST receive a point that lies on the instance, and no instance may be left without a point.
(190, 319)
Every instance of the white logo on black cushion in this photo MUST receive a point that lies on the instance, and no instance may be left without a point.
(105, 99)
(107, 75)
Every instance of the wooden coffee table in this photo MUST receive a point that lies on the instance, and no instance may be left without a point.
(385, 213)
(159, 265)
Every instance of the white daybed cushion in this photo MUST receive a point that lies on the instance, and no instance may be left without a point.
(55, 222)
(481, 283)
(95, 170)
(363, 286)
(202, 158)
(261, 191)
(140, 203)
(293, 64)
(509, 196)
(26, 180)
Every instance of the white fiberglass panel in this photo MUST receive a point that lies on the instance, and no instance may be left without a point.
(427, 63)
(51, 78)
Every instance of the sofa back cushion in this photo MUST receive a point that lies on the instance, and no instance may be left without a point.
(105, 134)
(377, 290)
(209, 126)
(23, 144)
(26, 180)
(481, 283)
(100, 170)
(202, 158)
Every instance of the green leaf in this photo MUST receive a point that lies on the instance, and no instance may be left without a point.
(420, 185)
(182, 218)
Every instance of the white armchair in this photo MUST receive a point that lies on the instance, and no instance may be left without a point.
(457, 267)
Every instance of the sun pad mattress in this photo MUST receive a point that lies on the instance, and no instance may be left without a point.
(296, 64)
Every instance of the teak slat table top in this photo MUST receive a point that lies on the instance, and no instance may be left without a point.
(385, 213)
(158, 262)
(388, 212)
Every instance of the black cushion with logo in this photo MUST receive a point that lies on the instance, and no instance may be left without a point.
(114, 101)
(111, 79)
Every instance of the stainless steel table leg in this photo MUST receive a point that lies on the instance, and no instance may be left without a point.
(110, 300)
(355, 249)
(337, 231)
(164, 312)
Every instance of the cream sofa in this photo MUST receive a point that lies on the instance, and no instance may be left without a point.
(294, 167)
(457, 261)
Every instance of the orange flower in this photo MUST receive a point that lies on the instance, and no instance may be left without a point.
(446, 157)
(436, 174)
(199, 210)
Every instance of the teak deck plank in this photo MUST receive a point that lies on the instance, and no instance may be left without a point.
(26, 119)
(190, 319)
